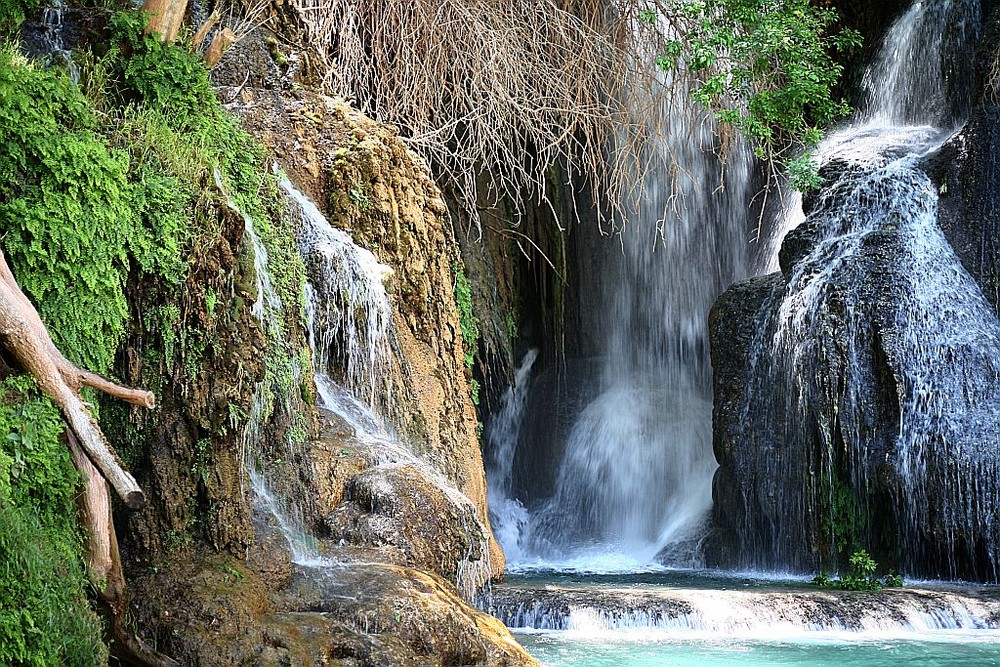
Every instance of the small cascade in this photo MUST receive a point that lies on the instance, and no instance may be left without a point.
(285, 513)
(350, 317)
(350, 328)
(677, 614)
(874, 372)
(54, 45)
(508, 516)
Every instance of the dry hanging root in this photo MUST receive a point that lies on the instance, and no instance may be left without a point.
(24, 336)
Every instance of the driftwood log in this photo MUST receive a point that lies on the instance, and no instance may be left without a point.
(24, 336)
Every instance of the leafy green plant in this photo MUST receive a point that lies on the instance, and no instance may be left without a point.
(163, 74)
(74, 221)
(766, 68)
(12, 13)
(861, 577)
(44, 615)
(803, 174)
(467, 320)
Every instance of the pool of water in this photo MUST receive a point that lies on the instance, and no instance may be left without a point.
(569, 650)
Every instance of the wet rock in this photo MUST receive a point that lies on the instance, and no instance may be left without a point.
(733, 613)
(967, 173)
(361, 615)
(370, 185)
(399, 510)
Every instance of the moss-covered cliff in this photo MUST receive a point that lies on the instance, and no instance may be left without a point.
(131, 215)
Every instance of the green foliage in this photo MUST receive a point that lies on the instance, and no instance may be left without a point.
(73, 219)
(861, 577)
(803, 174)
(163, 74)
(467, 320)
(44, 616)
(765, 67)
(843, 521)
(12, 13)
(892, 580)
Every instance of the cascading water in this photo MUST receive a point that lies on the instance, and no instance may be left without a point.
(636, 463)
(349, 323)
(349, 316)
(508, 515)
(284, 510)
(874, 374)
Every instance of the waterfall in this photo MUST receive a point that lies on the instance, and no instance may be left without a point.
(874, 394)
(53, 41)
(284, 510)
(350, 327)
(348, 311)
(508, 516)
(635, 465)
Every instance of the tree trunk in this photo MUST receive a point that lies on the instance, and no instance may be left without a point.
(165, 17)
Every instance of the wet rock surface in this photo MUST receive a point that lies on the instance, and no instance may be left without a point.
(356, 614)
(371, 186)
(735, 612)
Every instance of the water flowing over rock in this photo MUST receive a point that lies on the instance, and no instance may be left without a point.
(773, 614)
(856, 393)
(613, 454)
(380, 195)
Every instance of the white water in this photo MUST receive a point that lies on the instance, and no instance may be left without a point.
(52, 24)
(350, 317)
(940, 339)
(285, 512)
(905, 99)
(508, 517)
(350, 327)
(634, 479)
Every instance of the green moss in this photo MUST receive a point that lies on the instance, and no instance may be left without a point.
(44, 615)
(467, 320)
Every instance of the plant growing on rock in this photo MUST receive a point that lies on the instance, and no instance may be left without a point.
(861, 577)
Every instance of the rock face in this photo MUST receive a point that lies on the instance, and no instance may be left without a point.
(402, 528)
(856, 391)
(383, 501)
(967, 172)
(228, 613)
(374, 188)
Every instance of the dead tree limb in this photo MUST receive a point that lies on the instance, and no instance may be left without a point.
(24, 336)
(104, 565)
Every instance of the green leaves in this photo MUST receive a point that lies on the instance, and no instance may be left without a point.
(467, 320)
(75, 214)
(861, 577)
(163, 74)
(44, 616)
(765, 67)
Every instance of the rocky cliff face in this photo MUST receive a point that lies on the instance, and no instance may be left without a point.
(373, 187)
(880, 431)
(212, 574)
